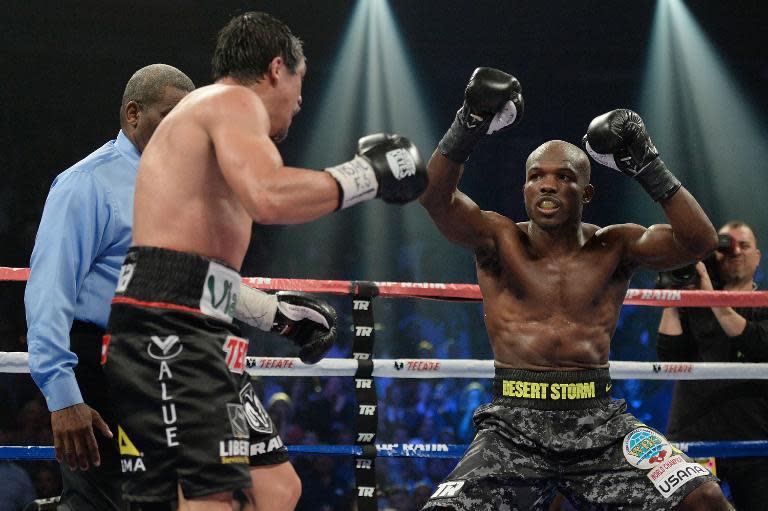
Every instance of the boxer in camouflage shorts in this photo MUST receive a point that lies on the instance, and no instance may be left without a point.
(552, 289)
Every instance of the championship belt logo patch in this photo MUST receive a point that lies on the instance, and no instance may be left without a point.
(644, 448)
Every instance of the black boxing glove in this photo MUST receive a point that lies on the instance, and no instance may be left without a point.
(386, 166)
(301, 317)
(493, 102)
(618, 140)
(307, 321)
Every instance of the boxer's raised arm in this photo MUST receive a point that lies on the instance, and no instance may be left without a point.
(618, 139)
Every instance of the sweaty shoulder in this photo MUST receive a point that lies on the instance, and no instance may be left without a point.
(499, 221)
(231, 103)
(500, 227)
(619, 232)
(619, 237)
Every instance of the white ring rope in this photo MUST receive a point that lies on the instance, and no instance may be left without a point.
(16, 362)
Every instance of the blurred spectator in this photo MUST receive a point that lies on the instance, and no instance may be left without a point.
(446, 435)
(47, 480)
(473, 395)
(439, 468)
(723, 334)
(421, 492)
(321, 489)
(392, 411)
(424, 405)
(280, 408)
(332, 404)
(397, 499)
(33, 419)
(16, 489)
(425, 349)
(445, 404)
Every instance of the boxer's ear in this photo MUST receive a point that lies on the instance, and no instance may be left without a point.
(273, 71)
(131, 113)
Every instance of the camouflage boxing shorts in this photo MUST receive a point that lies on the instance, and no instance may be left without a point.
(548, 432)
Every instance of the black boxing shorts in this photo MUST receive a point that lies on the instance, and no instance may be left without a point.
(185, 410)
(550, 431)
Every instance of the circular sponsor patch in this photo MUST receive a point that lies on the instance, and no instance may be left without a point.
(645, 448)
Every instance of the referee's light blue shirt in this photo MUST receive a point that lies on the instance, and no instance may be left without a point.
(84, 234)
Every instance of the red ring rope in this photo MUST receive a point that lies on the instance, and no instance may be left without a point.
(471, 292)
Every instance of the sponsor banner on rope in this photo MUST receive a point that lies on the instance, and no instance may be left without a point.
(270, 363)
(655, 294)
(413, 449)
(418, 285)
(417, 365)
(673, 367)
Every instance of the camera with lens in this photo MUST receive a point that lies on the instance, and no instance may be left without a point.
(688, 277)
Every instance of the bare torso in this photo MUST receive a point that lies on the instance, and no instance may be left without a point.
(182, 201)
(551, 311)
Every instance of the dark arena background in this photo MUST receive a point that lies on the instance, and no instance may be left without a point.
(696, 71)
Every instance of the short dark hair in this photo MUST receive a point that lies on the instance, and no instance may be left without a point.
(736, 224)
(147, 85)
(577, 156)
(249, 42)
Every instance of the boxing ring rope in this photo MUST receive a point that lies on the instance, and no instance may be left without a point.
(365, 369)
(16, 362)
(719, 449)
(471, 292)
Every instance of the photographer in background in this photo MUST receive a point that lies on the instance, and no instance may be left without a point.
(714, 410)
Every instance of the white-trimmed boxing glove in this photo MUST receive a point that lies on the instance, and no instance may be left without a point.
(388, 167)
(618, 139)
(305, 319)
(493, 103)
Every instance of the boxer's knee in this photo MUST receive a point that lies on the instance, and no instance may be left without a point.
(707, 497)
(286, 494)
(275, 488)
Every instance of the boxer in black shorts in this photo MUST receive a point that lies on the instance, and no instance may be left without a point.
(552, 289)
(210, 172)
(171, 342)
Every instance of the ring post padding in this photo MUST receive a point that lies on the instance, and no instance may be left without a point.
(362, 319)
(365, 392)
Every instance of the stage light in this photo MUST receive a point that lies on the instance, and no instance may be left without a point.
(703, 123)
(372, 88)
